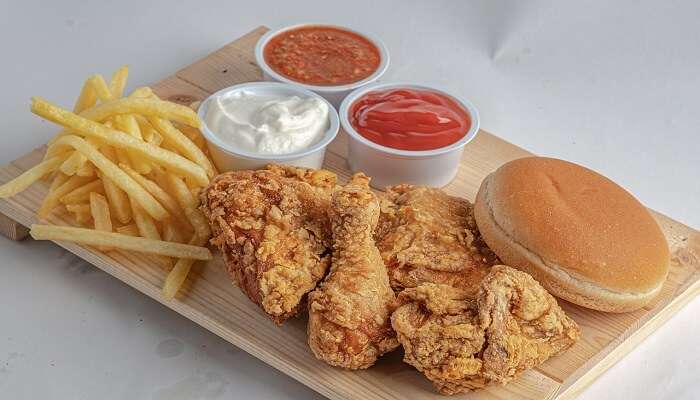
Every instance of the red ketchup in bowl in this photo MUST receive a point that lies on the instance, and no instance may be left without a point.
(409, 119)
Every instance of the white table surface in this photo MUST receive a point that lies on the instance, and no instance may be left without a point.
(611, 85)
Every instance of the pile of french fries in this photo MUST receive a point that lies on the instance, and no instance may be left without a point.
(129, 169)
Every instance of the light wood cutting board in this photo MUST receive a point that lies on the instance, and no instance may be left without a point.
(211, 300)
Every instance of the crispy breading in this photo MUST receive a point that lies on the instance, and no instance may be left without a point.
(273, 230)
(349, 314)
(425, 235)
(462, 343)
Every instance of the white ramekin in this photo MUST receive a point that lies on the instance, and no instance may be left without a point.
(334, 94)
(227, 157)
(388, 166)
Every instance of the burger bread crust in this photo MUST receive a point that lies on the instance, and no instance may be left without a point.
(583, 237)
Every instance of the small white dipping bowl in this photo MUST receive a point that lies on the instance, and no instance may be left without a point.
(388, 166)
(334, 94)
(227, 157)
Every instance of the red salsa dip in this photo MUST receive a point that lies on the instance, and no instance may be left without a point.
(322, 55)
(409, 119)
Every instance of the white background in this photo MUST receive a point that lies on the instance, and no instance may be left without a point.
(611, 85)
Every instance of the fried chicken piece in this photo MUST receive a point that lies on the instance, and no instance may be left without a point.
(349, 314)
(273, 230)
(425, 235)
(464, 343)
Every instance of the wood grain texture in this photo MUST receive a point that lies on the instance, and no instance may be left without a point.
(211, 300)
(11, 229)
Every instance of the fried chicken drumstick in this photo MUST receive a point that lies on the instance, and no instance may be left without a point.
(425, 235)
(273, 230)
(349, 314)
(464, 343)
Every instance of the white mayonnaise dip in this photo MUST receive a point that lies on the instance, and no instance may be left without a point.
(266, 123)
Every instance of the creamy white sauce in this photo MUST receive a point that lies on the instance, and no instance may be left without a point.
(267, 124)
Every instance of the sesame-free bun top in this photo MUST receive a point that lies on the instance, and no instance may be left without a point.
(582, 236)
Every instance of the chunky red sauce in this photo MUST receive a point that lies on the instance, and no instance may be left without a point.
(409, 119)
(322, 56)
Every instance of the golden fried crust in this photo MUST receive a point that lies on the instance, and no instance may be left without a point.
(464, 343)
(273, 230)
(349, 314)
(425, 235)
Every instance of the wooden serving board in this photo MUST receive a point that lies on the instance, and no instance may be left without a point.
(211, 300)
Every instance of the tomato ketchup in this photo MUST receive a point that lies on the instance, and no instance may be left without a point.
(409, 119)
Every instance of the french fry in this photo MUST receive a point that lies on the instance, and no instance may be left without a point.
(169, 160)
(120, 178)
(86, 99)
(137, 159)
(131, 230)
(155, 139)
(194, 135)
(54, 197)
(147, 229)
(58, 180)
(86, 170)
(149, 107)
(73, 163)
(99, 208)
(149, 133)
(143, 92)
(82, 194)
(128, 124)
(78, 208)
(76, 163)
(101, 89)
(167, 201)
(118, 200)
(177, 276)
(182, 144)
(30, 176)
(127, 105)
(83, 218)
(171, 233)
(122, 156)
(189, 204)
(118, 82)
(94, 237)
